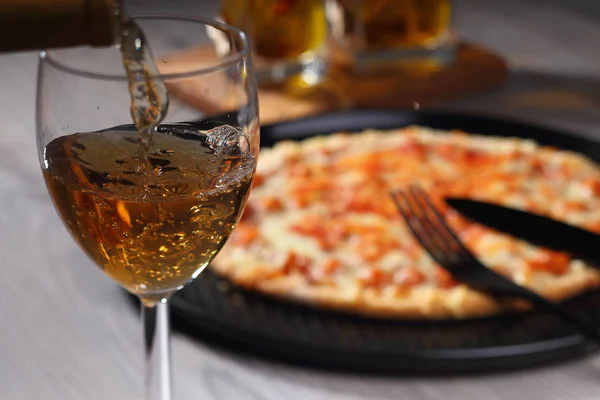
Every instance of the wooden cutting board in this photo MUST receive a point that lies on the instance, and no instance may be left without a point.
(476, 70)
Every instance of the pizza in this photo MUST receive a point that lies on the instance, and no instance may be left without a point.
(321, 228)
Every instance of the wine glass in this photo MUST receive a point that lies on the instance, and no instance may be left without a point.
(151, 212)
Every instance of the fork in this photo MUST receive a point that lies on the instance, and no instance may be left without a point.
(428, 226)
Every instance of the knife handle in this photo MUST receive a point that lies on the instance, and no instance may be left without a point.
(588, 330)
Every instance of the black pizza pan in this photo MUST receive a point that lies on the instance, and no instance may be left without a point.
(215, 310)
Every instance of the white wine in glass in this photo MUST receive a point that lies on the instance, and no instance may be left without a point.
(148, 187)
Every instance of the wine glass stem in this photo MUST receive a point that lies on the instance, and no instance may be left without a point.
(157, 348)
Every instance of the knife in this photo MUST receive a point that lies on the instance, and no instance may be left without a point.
(533, 228)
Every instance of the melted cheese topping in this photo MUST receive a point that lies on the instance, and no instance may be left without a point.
(321, 208)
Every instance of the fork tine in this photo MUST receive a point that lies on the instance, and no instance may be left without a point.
(430, 223)
(453, 244)
(415, 220)
(405, 209)
(424, 226)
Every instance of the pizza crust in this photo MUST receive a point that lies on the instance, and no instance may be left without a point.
(457, 303)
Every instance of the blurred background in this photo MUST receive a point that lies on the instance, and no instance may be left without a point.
(69, 333)
(547, 45)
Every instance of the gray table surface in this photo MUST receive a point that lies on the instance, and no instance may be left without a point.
(66, 331)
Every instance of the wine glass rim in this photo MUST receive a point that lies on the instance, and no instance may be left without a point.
(225, 62)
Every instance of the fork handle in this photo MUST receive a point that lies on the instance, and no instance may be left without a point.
(588, 330)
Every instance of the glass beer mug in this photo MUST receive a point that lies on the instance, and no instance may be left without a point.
(388, 32)
(288, 38)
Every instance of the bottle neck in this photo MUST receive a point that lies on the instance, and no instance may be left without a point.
(43, 24)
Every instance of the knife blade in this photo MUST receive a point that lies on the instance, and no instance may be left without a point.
(533, 228)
